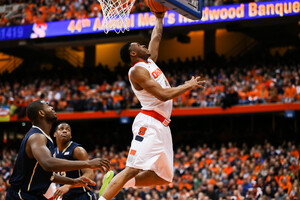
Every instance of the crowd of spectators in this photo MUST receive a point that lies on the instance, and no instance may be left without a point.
(205, 172)
(19, 12)
(270, 79)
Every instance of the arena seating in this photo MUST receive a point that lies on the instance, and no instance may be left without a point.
(238, 82)
(207, 172)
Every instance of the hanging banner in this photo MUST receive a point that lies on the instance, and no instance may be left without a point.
(212, 14)
(4, 114)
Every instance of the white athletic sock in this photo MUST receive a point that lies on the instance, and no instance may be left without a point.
(130, 183)
(101, 198)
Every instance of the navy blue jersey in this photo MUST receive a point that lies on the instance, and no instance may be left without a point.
(67, 154)
(28, 176)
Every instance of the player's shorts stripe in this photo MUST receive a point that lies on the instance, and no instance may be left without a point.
(139, 138)
(91, 198)
(132, 152)
(79, 172)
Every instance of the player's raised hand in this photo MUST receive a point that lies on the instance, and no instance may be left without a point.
(159, 14)
(196, 82)
(99, 163)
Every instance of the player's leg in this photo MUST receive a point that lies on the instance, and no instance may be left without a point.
(149, 178)
(123, 179)
(118, 182)
(161, 174)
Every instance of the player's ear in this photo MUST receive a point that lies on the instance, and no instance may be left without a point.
(132, 53)
(42, 113)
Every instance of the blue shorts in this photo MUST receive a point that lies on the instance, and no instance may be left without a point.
(83, 196)
(17, 195)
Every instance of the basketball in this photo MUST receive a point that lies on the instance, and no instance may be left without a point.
(155, 6)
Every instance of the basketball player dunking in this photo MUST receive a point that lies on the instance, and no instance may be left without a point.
(150, 159)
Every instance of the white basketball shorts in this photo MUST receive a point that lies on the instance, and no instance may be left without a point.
(151, 147)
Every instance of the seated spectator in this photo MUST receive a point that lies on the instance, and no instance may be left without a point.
(289, 93)
(273, 94)
(280, 195)
(263, 94)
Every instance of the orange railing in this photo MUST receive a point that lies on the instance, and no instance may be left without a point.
(260, 108)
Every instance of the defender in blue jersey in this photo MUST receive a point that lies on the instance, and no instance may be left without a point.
(32, 174)
(69, 150)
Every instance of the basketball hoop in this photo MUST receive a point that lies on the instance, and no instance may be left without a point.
(115, 15)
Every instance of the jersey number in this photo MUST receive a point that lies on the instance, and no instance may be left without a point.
(62, 174)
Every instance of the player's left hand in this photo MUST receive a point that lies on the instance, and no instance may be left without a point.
(196, 82)
(61, 191)
(83, 182)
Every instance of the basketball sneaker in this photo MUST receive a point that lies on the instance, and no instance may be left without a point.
(107, 178)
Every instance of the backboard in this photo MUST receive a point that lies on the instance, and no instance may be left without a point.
(191, 9)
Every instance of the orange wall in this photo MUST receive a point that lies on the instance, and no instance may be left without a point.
(108, 54)
(174, 49)
(228, 42)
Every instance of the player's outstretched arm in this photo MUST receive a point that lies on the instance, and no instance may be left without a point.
(140, 76)
(156, 38)
(75, 182)
(36, 148)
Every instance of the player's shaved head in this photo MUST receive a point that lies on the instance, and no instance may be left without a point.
(32, 110)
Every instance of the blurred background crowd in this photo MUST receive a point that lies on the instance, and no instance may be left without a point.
(242, 81)
(18, 12)
(206, 172)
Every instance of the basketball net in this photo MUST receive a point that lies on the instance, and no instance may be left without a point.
(115, 15)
